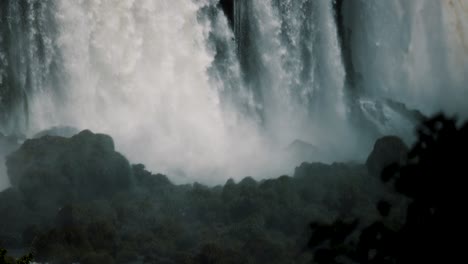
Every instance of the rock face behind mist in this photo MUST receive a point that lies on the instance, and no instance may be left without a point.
(387, 150)
(57, 170)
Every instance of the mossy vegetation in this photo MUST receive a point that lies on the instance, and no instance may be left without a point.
(360, 213)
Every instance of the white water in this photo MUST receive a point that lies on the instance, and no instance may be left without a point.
(163, 79)
(413, 51)
(138, 70)
(298, 72)
(142, 71)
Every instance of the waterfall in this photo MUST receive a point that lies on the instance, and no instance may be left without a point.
(411, 51)
(28, 60)
(161, 77)
(212, 89)
(290, 55)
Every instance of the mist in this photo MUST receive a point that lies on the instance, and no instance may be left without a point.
(8, 144)
(205, 94)
(4, 182)
(232, 131)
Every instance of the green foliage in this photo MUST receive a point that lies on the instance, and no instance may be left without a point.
(25, 259)
(143, 216)
(3, 253)
(4, 259)
(434, 226)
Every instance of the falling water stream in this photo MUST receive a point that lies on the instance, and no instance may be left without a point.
(202, 94)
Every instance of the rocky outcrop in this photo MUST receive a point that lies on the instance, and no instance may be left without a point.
(387, 151)
(55, 170)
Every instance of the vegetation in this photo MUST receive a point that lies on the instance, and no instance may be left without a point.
(432, 179)
(4, 259)
(356, 218)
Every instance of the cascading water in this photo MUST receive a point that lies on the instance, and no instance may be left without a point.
(149, 74)
(185, 93)
(290, 54)
(28, 60)
(411, 51)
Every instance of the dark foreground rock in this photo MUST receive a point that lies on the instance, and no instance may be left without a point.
(387, 150)
(55, 170)
(434, 227)
(77, 200)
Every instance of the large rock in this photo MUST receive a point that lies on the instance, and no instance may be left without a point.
(387, 151)
(57, 170)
